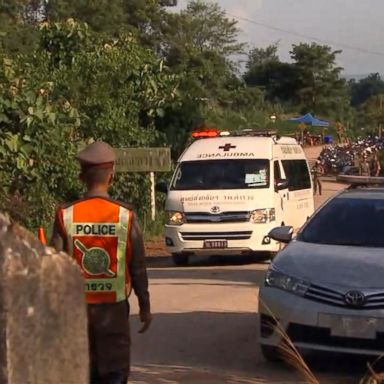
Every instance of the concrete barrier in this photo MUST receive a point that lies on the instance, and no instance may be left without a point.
(43, 323)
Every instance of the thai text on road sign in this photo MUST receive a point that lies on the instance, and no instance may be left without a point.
(143, 159)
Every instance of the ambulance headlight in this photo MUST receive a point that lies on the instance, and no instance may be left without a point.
(262, 216)
(175, 218)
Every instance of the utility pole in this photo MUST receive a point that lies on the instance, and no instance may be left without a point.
(381, 115)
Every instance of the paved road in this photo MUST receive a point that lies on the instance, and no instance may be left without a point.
(205, 329)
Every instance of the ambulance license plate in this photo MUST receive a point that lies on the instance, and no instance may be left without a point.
(215, 244)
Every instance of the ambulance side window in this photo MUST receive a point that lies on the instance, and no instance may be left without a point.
(297, 174)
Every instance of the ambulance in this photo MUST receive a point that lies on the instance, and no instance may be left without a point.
(230, 189)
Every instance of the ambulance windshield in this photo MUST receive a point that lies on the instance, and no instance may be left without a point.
(221, 174)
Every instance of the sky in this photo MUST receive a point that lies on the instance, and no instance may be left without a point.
(355, 26)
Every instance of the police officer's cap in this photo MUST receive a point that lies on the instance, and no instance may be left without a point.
(97, 154)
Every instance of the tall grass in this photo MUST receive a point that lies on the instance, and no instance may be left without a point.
(291, 356)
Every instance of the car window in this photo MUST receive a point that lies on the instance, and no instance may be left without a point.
(347, 221)
(221, 174)
(297, 174)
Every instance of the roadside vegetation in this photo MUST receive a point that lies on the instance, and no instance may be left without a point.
(134, 73)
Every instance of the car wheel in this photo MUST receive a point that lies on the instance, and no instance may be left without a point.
(180, 259)
(270, 353)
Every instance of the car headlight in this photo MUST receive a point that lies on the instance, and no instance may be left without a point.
(287, 283)
(176, 218)
(262, 216)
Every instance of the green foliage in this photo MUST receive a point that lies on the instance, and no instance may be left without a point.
(278, 80)
(132, 74)
(371, 114)
(76, 87)
(101, 15)
(35, 147)
(320, 87)
(362, 90)
(261, 56)
(203, 27)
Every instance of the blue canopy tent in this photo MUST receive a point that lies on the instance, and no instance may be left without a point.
(308, 119)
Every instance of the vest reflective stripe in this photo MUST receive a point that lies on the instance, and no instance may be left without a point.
(68, 219)
(124, 219)
(120, 284)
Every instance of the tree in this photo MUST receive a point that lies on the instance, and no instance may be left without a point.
(101, 15)
(77, 86)
(371, 113)
(321, 89)
(200, 42)
(198, 45)
(17, 25)
(261, 56)
(201, 27)
(266, 71)
(36, 146)
(364, 89)
(27, 11)
(141, 17)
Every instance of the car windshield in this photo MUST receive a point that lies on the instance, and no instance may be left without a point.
(221, 174)
(347, 221)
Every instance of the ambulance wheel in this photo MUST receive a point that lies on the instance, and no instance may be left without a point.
(271, 354)
(180, 259)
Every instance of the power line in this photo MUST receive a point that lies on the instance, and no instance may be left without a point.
(307, 37)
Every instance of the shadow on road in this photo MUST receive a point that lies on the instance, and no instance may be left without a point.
(331, 363)
(207, 261)
(223, 350)
(203, 275)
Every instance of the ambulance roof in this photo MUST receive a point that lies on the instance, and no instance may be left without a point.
(244, 147)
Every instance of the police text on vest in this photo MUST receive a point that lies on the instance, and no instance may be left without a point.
(95, 229)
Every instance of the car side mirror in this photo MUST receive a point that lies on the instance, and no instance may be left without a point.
(162, 187)
(281, 234)
(281, 184)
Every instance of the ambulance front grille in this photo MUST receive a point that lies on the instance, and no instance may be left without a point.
(223, 217)
(243, 235)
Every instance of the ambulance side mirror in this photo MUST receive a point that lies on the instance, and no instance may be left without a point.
(162, 187)
(281, 184)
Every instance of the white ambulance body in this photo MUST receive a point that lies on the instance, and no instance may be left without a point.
(228, 192)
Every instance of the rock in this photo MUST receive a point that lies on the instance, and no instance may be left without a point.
(43, 321)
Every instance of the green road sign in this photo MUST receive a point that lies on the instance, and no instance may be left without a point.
(143, 159)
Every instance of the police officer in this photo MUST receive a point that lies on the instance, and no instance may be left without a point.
(318, 171)
(104, 237)
(364, 167)
(375, 165)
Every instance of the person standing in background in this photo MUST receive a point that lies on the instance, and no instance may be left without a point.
(375, 166)
(364, 168)
(318, 171)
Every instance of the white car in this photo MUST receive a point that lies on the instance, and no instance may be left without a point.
(326, 288)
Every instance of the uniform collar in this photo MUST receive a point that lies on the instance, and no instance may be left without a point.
(96, 194)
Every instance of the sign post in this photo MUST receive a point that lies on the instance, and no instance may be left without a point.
(153, 196)
(144, 160)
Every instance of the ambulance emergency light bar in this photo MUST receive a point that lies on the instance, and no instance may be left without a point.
(209, 133)
(245, 132)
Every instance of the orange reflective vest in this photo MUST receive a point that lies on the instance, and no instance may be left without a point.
(98, 237)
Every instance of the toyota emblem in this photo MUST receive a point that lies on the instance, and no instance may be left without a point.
(215, 209)
(355, 299)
